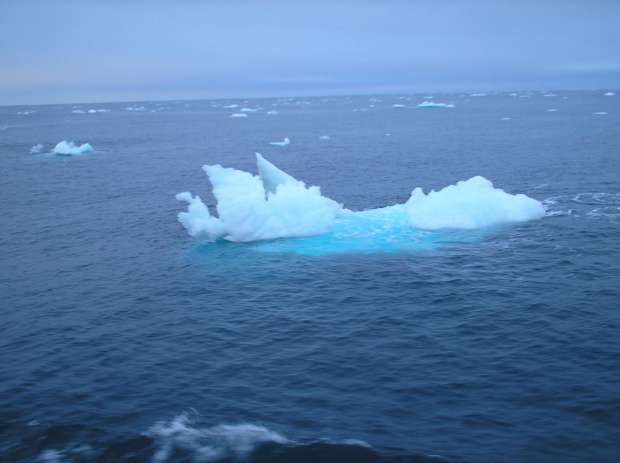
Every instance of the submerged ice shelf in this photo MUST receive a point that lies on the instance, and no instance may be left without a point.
(274, 204)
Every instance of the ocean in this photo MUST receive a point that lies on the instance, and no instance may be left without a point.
(125, 339)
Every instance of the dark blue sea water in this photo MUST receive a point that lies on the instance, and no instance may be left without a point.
(124, 339)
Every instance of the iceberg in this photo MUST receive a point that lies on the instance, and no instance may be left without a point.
(258, 207)
(470, 204)
(430, 104)
(281, 143)
(274, 204)
(65, 148)
(36, 149)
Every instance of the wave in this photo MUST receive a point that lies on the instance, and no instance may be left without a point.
(183, 440)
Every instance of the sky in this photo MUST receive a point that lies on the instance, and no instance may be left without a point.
(89, 51)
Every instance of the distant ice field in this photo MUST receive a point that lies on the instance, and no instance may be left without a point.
(397, 278)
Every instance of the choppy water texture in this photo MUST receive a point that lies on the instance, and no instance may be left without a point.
(124, 339)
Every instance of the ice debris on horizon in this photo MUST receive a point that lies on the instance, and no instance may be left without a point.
(274, 204)
(36, 149)
(281, 143)
(430, 104)
(69, 149)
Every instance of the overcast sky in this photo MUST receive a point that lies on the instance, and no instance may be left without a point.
(58, 51)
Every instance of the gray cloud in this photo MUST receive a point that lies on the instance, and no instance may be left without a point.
(74, 51)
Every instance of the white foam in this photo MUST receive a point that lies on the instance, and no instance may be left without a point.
(281, 143)
(36, 149)
(239, 115)
(276, 205)
(209, 444)
(69, 149)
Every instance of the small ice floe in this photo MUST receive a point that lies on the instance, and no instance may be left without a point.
(549, 94)
(430, 104)
(506, 118)
(78, 111)
(65, 148)
(398, 106)
(609, 94)
(324, 137)
(230, 106)
(135, 108)
(272, 113)
(478, 94)
(238, 115)
(281, 143)
(551, 110)
(25, 113)
(601, 113)
(36, 149)
(248, 110)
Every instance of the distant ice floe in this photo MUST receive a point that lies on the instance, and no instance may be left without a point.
(274, 204)
(609, 94)
(36, 149)
(506, 118)
(78, 111)
(398, 106)
(136, 108)
(65, 148)
(281, 143)
(248, 110)
(230, 106)
(601, 113)
(430, 104)
(324, 137)
(549, 94)
(478, 94)
(238, 115)
(272, 113)
(25, 113)
(551, 110)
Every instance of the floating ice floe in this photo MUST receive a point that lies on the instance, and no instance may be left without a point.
(549, 94)
(274, 204)
(324, 137)
(601, 113)
(398, 106)
(609, 94)
(78, 111)
(478, 94)
(65, 148)
(36, 149)
(272, 113)
(25, 113)
(430, 104)
(281, 143)
(551, 110)
(248, 110)
(238, 115)
(506, 118)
